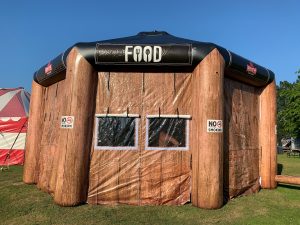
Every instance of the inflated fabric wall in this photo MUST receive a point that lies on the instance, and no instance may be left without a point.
(139, 176)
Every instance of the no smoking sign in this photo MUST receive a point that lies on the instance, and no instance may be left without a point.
(214, 126)
(67, 122)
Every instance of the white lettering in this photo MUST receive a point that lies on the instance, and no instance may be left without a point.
(137, 53)
(145, 53)
(157, 54)
(127, 52)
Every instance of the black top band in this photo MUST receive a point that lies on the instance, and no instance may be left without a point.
(155, 52)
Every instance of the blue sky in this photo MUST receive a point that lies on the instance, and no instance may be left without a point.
(33, 32)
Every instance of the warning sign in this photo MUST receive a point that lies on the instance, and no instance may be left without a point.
(214, 126)
(67, 122)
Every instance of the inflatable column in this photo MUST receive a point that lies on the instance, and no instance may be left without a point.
(75, 143)
(267, 136)
(207, 135)
(34, 134)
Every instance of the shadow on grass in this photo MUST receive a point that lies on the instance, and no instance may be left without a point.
(279, 168)
(293, 187)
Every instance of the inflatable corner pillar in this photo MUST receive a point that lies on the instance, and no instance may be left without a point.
(73, 166)
(267, 136)
(207, 145)
(33, 140)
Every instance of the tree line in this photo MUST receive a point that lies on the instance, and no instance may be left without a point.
(288, 109)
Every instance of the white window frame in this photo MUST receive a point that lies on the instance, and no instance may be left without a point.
(187, 132)
(136, 134)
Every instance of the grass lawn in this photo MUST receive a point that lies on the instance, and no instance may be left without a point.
(25, 204)
(288, 165)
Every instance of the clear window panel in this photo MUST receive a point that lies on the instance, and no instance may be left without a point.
(116, 131)
(167, 132)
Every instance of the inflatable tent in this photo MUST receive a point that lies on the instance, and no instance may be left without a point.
(151, 119)
(14, 108)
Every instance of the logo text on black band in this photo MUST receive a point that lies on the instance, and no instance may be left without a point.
(143, 54)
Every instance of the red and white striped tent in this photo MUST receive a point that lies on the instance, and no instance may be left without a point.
(14, 108)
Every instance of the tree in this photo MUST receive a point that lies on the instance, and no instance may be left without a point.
(288, 109)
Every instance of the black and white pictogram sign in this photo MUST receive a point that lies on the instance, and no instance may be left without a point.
(67, 122)
(214, 126)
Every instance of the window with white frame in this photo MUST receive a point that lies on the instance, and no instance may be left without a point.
(167, 132)
(116, 132)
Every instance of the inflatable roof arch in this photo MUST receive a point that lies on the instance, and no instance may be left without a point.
(177, 54)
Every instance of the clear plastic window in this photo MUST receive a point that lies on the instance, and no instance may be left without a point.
(167, 133)
(116, 133)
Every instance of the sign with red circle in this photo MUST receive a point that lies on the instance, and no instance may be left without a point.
(67, 122)
(214, 126)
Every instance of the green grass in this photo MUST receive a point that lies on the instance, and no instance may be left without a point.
(290, 165)
(25, 204)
